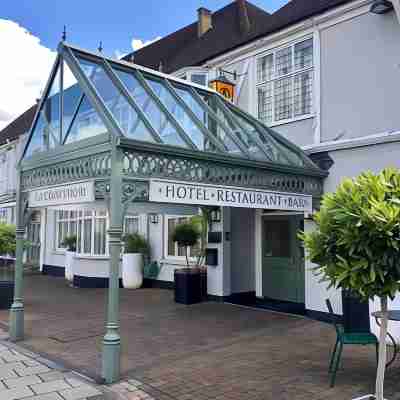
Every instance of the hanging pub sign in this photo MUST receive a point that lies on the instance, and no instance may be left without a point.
(82, 192)
(224, 86)
(162, 191)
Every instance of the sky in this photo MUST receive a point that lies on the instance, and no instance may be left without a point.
(31, 29)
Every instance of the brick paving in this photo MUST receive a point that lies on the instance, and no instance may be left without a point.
(210, 351)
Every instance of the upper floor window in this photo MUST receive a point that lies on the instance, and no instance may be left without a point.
(285, 83)
(200, 79)
(195, 76)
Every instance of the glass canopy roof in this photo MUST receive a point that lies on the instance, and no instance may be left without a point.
(88, 94)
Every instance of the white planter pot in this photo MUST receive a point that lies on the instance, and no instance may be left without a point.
(69, 265)
(132, 270)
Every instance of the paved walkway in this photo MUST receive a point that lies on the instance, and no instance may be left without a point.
(25, 375)
(201, 352)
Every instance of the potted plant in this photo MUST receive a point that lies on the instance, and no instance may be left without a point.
(135, 249)
(7, 247)
(187, 280)
(356, 244)
(69, 243)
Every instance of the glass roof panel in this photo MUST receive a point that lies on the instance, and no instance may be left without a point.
(195, 134)
(72, 97)
(275, 149)
(157, 118)
(87, 123)
(126, 116)
(251, 145)
(214, 124)
(46, 133)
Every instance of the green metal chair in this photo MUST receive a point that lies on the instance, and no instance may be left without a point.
(342, 338)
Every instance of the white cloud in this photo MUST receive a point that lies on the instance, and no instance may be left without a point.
(138, 43)
(24, 68)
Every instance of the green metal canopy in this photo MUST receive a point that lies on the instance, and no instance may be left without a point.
(121, 127)
(89, 94)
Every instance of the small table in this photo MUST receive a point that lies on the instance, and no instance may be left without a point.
(393, 315)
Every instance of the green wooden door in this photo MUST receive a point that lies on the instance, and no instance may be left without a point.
(282, 259)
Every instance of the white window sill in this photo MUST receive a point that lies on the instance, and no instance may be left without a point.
(82, 256)
(89, 257)
(174, 261)
(289, 121)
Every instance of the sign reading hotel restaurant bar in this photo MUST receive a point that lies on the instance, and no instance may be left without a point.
(187, 193)
(82, 192)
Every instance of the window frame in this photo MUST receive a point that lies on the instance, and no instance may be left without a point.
(175, 258)
(93, 217)
(292, 74)
(3, 215)
(186, 74)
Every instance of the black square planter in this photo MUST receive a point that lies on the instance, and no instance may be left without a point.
(356, 315)
(187, 285)
(6, 294)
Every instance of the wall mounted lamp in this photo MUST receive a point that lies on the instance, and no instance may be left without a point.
(381, 7)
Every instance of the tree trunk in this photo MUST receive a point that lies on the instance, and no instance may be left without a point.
(187, 256)
(380, 375)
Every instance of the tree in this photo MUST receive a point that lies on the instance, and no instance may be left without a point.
(7, 239)
(356, 245)
(186, 235)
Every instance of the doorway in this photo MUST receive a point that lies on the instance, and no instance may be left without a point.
(283, 277)
(33, 236)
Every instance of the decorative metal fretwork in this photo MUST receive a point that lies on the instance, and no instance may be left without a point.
(94, 166)
(149, 165)
(132, 190)
(135, 191)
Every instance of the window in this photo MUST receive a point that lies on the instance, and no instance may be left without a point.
(200, 79)
(3, 215)
(90, 228)
(196, 76)
(131, 224)
(172, 250)
(285, 83)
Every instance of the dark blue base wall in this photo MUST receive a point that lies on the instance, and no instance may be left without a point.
(90, 282)
(53, 270)
(154, 283)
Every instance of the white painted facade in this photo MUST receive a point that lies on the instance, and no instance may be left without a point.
(354, 118)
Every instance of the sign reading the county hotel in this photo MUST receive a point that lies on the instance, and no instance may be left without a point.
(82, 192)
(187, 193)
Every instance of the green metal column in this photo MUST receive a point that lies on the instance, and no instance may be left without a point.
(112, 341)
(17, 308)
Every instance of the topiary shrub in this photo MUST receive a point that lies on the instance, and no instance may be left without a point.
(356, 245)
(186, 235)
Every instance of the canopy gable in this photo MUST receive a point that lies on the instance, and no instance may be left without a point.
(89, 94)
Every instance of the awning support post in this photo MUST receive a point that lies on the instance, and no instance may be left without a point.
(17, 307)
(112, 340)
